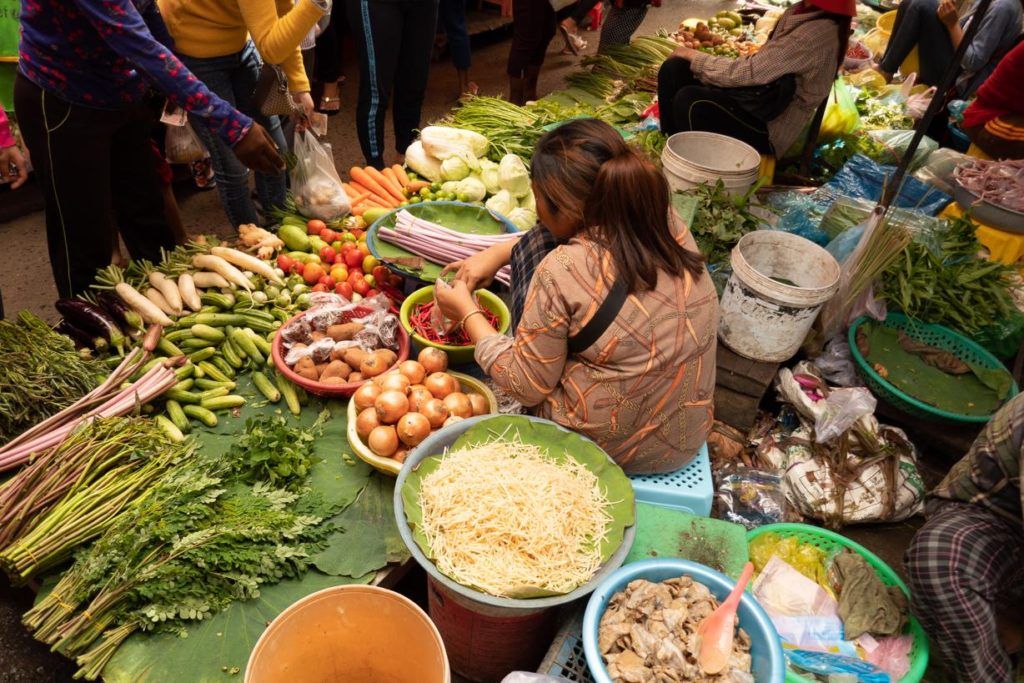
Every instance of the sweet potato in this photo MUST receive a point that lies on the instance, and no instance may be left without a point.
(344, 332)
(354, 356)
(308, 372)
(336, 368)
(333, 381)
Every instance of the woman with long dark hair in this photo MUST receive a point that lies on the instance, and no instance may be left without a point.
(765, 99)
(616, 338)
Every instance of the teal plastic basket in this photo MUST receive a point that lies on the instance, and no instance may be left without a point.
(831, 542)
(688, 489)
(934, 335)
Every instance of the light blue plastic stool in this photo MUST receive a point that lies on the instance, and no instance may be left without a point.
(689, 489)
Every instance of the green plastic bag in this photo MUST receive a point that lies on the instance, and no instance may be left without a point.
(841, 115)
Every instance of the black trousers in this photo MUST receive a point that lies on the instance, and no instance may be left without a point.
(99, 178)
(329, 46)
(687, 104)
(533, 27)
(394, 39)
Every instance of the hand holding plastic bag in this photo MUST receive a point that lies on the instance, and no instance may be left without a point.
(315, 182)
(182, 145)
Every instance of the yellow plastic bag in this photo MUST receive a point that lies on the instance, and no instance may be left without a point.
(865, 78)
(841, 115)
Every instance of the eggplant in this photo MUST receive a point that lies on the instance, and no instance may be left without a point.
(91, 319)
(120, 311)
(81, 338)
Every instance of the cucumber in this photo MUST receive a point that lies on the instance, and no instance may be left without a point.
(259, 324)
(221, 301)
(213, 372)
(198, 373)
(208, 333)
(167, 347)
(177, 415)
(182, 395)
(226, 370)
(185, 371)
(244, 342)
(170, 429)
(263, 383)
(185, 384)
(230, 354)
(262, 344)
(177, 335)
(202, 354)
(288, 391)
(207, 384)
(194, 344)
(201, 414)
(219, 319)
(223, 402)
(213, 393)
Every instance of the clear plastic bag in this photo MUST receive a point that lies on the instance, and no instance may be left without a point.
(751, 497)
(529, 677)
(937, 170)
(836, 364)
(842, 409)
(896, 143)
(316, 184)
(182, 145)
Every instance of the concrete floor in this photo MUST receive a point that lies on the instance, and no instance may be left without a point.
(26, 282)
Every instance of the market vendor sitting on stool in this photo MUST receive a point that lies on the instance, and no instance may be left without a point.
(615, 314)
(995, 120)
(966, 564)
(765, 99)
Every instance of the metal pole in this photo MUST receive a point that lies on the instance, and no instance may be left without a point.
(938, 101)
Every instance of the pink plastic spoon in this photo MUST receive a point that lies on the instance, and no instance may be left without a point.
(718, 628)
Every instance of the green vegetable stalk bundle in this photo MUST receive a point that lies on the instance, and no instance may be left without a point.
(954, 287)
(41, 373)
(208, 533)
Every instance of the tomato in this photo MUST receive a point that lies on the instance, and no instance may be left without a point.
(313, 273)
(328, 235)
(336, 245)
(372, 293)
(320, 288)
(369, 263)
(315, 227)
(284, 262)
(364, 248)
(327, 281)
(353, 277)
(361, 287)
(345, 289)
(328, 255)
(339, 272)
(349, 236)
(347, 247)
(370, 280)
(298, 267)
(381, 274)
(396, 281)
(358, 234)
(354, 259)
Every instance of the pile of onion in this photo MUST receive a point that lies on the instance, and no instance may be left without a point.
(399, 409)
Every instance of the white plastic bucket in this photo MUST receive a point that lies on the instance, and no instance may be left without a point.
(695, 157)
(779, 283)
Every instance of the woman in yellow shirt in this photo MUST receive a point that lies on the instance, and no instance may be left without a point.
(223, 42)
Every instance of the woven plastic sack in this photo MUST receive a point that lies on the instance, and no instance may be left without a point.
(182, 146)
(316, 184)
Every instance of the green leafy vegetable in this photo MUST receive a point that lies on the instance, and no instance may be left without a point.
(720, 222)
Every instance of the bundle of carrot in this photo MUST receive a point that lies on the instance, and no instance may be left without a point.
(371, 188)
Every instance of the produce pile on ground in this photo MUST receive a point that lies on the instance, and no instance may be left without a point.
(722, 35)
(400, 409)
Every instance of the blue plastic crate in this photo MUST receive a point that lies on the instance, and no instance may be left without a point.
(689, 489)
(565, 658)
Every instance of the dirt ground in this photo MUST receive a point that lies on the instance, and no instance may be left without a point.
(26, 282)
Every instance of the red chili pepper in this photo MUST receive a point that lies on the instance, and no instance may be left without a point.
(420, 321)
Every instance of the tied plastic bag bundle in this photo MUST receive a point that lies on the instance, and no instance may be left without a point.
(836, 364)
(751, 497)
(182, 145)
(315, 182)
(379, 327)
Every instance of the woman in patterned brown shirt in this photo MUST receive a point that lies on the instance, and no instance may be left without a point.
(640, 380)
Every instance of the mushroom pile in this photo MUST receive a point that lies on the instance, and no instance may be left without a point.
(648, 634)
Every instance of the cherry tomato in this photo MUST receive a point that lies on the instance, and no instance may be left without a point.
(298, 267)
(364, 249)
(369, 263)
(339, 272)
(328, 235)
(313, 273)
(328, 255)
(361, 286)
(371, 293)
(382, 274)
(370, 280)
(336, 245)
(354, 259)
(315, 227)
(320, 288)
(326, 281)
(345, 289)
(284, 262)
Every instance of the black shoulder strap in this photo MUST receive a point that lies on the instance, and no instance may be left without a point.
(606, 313)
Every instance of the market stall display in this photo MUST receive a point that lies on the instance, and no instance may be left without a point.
(424, 322)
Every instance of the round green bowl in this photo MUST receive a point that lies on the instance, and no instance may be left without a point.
(457, 355)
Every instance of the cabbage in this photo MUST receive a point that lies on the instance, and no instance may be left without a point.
(502, 203)
(470, 190)
(450, 186)
(422, 163)
(513, 176)
(529, 202)
(489, 176)
(524, 219)
(454, 168)
(442, 142)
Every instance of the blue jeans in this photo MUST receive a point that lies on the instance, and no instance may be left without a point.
(233, 77)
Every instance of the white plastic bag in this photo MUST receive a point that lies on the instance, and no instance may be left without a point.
(315, 182)
(182, 146)
(843, 408)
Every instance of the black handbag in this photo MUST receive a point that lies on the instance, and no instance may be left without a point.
(763, 102)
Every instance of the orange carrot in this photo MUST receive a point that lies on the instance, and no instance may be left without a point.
(356, 189)
(392, 188)
(358, 198)
(417, 185)
(389, 174)
(403, 178)
(364, 178)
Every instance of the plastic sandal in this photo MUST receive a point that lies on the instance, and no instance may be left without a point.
(329, 105)
(574, 43)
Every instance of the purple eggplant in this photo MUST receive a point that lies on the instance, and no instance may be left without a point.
(82, 339)
(120, 311)
(92, 320)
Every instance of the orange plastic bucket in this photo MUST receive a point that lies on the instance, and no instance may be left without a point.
(355, 634)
